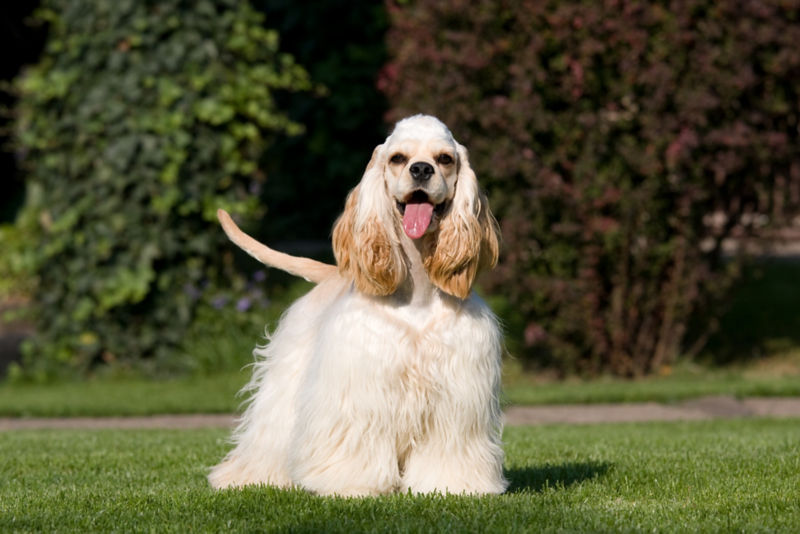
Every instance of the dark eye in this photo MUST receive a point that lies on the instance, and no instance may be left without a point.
(398, 159)
(444, 159)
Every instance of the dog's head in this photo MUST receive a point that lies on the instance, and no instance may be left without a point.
(418, 185)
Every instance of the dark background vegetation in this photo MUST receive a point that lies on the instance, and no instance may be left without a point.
(622, 145)
(309, 175)
(22, 43)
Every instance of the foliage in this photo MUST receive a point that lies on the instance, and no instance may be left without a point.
(622, 143)
(15, 269)
(225, 330)
(26, 41)
(762, 318)
(732, 476)
(342, 126)
(139, 121)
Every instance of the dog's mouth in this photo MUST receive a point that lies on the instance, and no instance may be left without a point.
(418, 211)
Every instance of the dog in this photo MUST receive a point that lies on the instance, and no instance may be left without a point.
(385, 377)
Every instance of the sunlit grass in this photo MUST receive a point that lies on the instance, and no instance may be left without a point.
(668, 477)
(124, 396)
(775, 377)
(217, 393)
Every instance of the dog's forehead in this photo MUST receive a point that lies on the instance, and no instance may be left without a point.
(420, 128)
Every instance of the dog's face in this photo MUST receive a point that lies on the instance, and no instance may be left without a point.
(418, 182)
(421, 171)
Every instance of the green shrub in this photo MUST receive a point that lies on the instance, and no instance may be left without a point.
(622, 143)
(139, 121)
(342, 127)
(225, 330)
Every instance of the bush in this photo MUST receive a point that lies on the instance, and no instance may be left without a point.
(342, 127)
(226, 329)
(139, 121)
(622, 143)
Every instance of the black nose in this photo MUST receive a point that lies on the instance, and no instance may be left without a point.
(421, 171)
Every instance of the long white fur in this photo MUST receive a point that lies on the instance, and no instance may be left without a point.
(364, 395)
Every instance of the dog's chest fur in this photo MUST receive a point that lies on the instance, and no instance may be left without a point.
(407, 356)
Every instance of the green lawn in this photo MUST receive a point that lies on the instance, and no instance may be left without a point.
(108, 397)
(218, 393)
(722, 476)
(524, 390)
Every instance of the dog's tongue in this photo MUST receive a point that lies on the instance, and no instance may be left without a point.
(416, 218)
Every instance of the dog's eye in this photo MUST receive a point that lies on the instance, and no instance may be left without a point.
(444, 159)
(398, 159)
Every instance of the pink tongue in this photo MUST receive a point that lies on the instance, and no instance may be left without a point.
(416, 219)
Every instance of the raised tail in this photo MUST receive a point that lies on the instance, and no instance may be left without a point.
(312, 270)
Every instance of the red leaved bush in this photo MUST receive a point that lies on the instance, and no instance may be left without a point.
(621, 142)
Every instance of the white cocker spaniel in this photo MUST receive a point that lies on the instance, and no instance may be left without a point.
(385, 377)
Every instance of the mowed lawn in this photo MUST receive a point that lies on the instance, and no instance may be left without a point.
(721, 476)
(218, 393)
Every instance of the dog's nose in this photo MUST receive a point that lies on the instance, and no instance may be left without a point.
(421, 171)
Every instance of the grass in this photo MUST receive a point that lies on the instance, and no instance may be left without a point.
(655, 390)
(124, 396)
(218, 393)
(778, 376)
(723, 476)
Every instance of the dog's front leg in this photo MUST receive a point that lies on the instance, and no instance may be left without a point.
(344, 439)
(349, 453)
(460, 451)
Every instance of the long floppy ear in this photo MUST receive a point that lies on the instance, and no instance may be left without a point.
(468, 240)
(365, 240)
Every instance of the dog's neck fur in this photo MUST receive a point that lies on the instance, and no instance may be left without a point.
(416, 290)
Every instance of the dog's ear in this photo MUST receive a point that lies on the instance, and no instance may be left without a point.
(468, 240)
(365, 240)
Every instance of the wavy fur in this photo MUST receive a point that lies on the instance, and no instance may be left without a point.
(365, 241)
(468, 238)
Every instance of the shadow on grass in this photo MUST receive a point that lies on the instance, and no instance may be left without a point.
(536, 479)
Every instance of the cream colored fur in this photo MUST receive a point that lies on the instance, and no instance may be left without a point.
(385, 376)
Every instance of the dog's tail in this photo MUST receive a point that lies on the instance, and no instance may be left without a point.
(311, 270)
